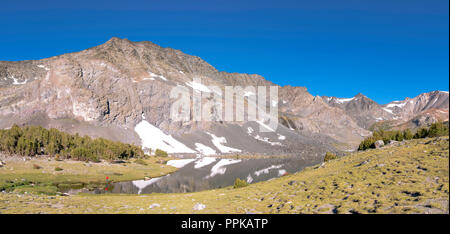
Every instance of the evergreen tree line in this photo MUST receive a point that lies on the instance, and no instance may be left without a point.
(435, 130)
(36, 140)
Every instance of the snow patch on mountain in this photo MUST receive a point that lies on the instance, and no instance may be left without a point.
(198, 87)
(266, 139)
(16, 81)
(153, 138)
(153, 75)
(343, 100)
(218, 143)
(434, 101)
(203, 149)
(396, 104)
(265, 126)
(149, 78)
(388, 110)
(44, 67)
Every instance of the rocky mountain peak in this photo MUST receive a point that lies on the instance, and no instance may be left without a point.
(125, 44)
(117, 40)
(121, 90)
(360, 95)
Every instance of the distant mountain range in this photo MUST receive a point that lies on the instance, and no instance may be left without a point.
(120, 90)
(425, 109)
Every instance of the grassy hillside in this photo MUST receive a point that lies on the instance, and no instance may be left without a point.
(412, 177)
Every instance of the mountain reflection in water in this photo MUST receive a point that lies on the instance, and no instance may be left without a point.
(210, 173)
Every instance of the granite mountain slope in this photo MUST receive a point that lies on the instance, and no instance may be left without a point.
(120, 90)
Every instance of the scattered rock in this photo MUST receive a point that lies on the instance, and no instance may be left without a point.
(279, 207)
(199, 206)
(422, 168)
(379, 144)
(392, 142)
(63, 194)
(251, 211)
(353, 211)
(154, 205)
(412, 194)
(292, 182)
(327, 209)
(118, 162)
(362, 163)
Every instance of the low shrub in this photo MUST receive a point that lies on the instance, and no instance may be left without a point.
(329, 156)
(161, 153)
(238, 183)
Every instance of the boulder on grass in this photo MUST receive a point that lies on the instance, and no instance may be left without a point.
(392, 142)
(379, 144)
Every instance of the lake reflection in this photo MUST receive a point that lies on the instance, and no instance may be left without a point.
(210, 173)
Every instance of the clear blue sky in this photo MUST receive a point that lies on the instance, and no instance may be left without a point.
(385, 49)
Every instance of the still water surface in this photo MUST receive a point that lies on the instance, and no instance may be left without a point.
(208, 173)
